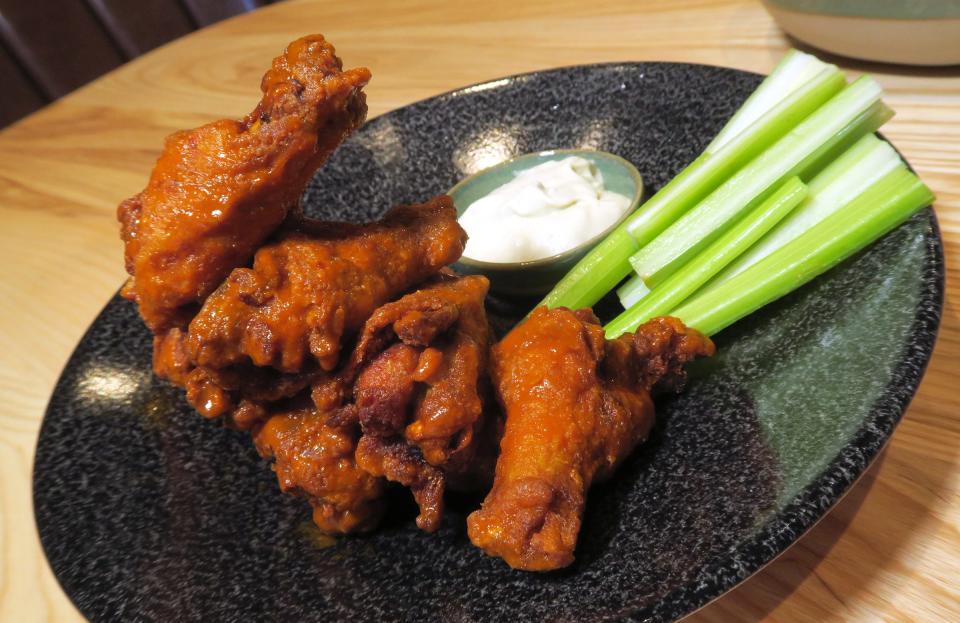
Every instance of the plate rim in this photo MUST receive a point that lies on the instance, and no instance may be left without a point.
(805, 510)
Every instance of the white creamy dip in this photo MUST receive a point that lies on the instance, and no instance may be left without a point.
(544, 210)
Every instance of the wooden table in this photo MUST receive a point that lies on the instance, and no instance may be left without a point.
(890, 550)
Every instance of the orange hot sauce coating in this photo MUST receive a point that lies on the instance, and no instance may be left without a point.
(315, 460)
(219, 190)
(419, 394)
(576, 406)
(318, 283)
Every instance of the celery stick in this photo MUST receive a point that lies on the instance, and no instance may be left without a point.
(607, 264)
(597, 273)
(882, 207)
(683, 283)
(793, 71)
(842, 181)
(715, 166)
(631, 292)
(818, 139)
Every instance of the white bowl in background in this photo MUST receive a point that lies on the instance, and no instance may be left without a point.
(912, 32)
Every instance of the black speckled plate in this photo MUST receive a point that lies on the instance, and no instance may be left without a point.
(148, 512)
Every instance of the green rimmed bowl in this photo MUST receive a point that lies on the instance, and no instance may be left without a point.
(908, 32)
(536, 277)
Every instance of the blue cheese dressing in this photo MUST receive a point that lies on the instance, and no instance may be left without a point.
(545, 210)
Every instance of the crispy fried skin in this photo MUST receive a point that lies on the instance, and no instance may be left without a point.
(400, 462)
(446, 325)
(218, 191)
(576, 405)
(316, 460)
(319, 282)
(170, 359)
(419, 393)
(241, 394)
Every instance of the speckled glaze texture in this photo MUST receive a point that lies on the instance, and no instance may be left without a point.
(148, 512)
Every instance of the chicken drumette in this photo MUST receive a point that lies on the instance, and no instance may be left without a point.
(576, 405)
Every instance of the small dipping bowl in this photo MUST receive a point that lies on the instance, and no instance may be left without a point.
(537, 277)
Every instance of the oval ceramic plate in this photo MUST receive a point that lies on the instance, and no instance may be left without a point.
(148, 512)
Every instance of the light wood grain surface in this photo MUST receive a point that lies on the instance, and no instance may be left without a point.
(889, 551)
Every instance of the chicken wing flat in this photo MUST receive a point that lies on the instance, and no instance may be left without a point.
(315, 460)
(419, 395)
(319, 282)
(400, 462)
(576, 406)
(242, 394)
(445, 325)
(218, 191)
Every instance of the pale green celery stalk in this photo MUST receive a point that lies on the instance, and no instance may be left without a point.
(841, 182)
(794, 70)
(882, 207)
(632, 291)
(686, 281)
(607, 263)
(817, 140)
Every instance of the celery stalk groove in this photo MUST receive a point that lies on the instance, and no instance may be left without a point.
(708, 263)
(814, 142)
(608, 263)
(841, 182)
(885, 205)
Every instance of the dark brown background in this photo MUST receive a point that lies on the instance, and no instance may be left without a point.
(50, 47)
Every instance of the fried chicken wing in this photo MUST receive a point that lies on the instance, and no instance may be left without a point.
(576, 406)
(218, 191)
(170, 358)
(400, 462)
(445, 324)
(243, 393)
(418, 396)
(319, 282)
(315, 460)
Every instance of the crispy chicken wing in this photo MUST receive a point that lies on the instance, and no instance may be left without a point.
(242, 393)
(170, 358)
(318, 282)
(219, 190)
(576, 405)
(400, 462)
(315, 460)
(419, 394)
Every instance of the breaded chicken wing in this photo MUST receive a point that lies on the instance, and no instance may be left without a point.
(218, 191)
(318, 282)
(419, 395)
(242, 394)
(576, 406)
(315, 460)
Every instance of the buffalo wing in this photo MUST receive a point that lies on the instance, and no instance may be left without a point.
(319, 282)
(219, 190)
(419, 394)
(315, 459)
(576, 405)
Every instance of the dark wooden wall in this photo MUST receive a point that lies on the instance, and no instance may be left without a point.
(50, 47)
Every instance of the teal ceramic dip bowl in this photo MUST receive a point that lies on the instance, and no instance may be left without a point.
(537, 277)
